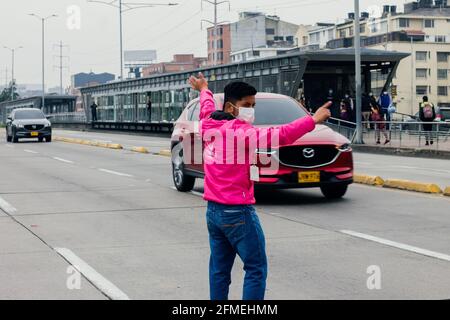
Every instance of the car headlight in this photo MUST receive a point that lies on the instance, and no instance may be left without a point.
(48, 124)
(18, 125)
(344, 147)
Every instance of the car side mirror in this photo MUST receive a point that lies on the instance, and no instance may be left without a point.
(9, 118)
(49, 117)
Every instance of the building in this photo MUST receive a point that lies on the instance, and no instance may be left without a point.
(252, 34)
(257, 53)
(180, 62)
(80, 80)
(257, 30)
(423, 30)
(219, 46)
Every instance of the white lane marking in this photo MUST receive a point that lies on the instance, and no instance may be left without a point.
(30, 151)
(195, 193)
(103, 284)
(5, 206)
(9, 146)
(115, 172)
(62, 160)
(398, 245)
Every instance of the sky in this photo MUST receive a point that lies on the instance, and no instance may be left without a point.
(93, 40)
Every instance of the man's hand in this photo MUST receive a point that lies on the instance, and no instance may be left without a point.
(198, 83)
(323, 113)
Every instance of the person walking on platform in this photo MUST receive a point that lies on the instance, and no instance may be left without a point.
(427, 114)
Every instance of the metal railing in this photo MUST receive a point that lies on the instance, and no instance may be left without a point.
(68, 118)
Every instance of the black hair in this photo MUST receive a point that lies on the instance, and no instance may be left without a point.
(425, 98)
(235, 91)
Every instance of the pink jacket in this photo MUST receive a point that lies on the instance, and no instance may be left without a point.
(230, 183)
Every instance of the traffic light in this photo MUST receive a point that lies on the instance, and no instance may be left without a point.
(394, 91)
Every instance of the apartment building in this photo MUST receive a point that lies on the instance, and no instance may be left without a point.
(423, 30)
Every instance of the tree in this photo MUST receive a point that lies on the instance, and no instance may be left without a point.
(6, 95)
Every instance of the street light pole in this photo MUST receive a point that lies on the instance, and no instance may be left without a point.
(43, 51)
(13, 52)
(357, 44)
(119, 4)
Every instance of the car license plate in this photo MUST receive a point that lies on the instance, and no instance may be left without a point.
(309, 176)
(34, 134)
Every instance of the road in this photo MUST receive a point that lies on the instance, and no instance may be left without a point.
(114, 215)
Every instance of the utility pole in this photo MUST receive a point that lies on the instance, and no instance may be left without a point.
(13, 53)
(42, 19)
(216, 4)
(61, 66)
(124, 7)
(357, 44)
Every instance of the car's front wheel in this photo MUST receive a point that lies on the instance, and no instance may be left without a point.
(8, 137)
(334, 191)
(14, 138)
(182, 181)
(48, 139)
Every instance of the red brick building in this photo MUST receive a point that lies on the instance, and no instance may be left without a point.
(219, 46)
(181, 62)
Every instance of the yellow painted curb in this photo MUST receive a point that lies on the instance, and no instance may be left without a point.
(90, 143)
(165, 153)
(140, 149)
(447, 192)
(369, 180)
(412, 186)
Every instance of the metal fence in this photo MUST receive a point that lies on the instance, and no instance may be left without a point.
(399, 134)
(68, 118)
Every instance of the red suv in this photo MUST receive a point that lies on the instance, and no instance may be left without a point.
(321, 158)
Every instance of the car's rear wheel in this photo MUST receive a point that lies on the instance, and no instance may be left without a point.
(183, 182)
(334, 191)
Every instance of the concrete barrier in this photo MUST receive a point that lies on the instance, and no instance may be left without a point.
(369, 180)
(412, 186)
(165, 153)
(447, 192)
(140, 149)
(89, 143)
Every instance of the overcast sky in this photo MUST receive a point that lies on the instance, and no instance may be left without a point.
(169, 30)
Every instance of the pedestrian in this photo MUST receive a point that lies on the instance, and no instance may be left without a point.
(427, 114)
(233, 225)
(385, 102)
(366, 109)
(344, 111)
(348, 100)
(334, 108)
(94, 111)
(149, 109)
(380, 126)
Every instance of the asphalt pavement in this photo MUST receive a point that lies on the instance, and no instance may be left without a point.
(114, 215)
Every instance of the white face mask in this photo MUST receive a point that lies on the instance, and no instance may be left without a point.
(246, 114)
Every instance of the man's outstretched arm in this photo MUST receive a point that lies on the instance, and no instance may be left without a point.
(207, 103)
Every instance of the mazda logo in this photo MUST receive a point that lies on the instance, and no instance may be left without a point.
(308, 153)
(34, 127)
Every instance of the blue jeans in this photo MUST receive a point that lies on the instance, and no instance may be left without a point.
(235, 229)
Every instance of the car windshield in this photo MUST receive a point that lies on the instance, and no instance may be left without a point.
(29, 114)
(277, 111)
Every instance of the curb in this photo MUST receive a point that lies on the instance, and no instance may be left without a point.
(402, 151)
(165, 153)
(140, 149)
(90, 143)
(369, 180)
(447, 192)
(412, 186)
